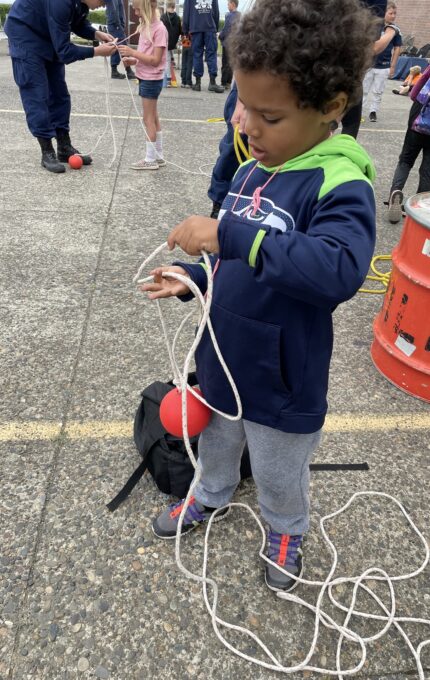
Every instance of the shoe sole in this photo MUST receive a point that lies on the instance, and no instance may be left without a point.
(395, 209)
(218, 518)
(276, 589)
(131, 168)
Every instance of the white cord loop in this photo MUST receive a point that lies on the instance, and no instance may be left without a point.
(375, 573)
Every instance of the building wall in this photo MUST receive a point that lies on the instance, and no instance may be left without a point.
(413, 17)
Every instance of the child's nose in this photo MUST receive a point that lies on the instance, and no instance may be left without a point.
(251, 127)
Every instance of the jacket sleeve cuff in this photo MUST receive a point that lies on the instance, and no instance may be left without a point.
(239, 240)
(197, 273)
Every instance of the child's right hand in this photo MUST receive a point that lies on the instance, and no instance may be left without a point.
(163, 287)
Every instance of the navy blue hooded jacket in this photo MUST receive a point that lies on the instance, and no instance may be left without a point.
(281, 273)
(43, 27)
(200, 16)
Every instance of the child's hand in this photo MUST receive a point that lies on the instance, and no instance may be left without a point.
(163, 287)
(126, 51)
(129, 61)
(195, 234)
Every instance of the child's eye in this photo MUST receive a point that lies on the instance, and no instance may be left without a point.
(271, 121)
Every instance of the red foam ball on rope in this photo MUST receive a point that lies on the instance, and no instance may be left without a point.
(75, 162)
(198, 415)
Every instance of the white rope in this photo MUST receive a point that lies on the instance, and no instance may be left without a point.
(374, 573)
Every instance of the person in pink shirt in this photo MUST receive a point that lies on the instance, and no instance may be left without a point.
(150, 61)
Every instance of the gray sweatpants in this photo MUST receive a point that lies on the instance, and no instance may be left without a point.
(280, 467)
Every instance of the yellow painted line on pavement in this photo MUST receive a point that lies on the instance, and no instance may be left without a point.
(104, 116)
(14, 431)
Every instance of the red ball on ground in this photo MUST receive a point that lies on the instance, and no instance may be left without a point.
(75, 162)
(198, 415)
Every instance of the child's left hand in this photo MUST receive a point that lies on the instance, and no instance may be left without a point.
(129, 61)
(126, 51)
(195, 234)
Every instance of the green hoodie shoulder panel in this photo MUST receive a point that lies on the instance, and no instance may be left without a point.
(340, 158)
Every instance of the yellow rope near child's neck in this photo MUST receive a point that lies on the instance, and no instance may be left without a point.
(380, 277)
(239, 147)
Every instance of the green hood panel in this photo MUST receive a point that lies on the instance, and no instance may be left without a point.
(340, 157)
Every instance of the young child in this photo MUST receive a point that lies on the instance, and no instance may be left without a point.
(295, 238)
(383, 68)
(412, 78)
(150, 60)
(172, 22)
(230, 19)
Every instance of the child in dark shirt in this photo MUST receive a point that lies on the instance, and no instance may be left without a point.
(294, 239)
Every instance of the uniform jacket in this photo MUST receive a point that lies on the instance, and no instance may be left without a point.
(230, 20)
(281, 273)
(200, 16)
(43, 27)
(115, 15)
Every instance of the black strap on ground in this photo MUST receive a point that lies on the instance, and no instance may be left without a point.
(128, 487)
(317, 467)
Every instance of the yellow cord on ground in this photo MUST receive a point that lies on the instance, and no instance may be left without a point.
(242, 153)
(381, 277)
(215, 120)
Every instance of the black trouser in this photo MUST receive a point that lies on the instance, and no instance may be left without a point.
(226, 72)
(414, 142)
(351, 120)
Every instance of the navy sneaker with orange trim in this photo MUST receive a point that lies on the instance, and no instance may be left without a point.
(286, 551)
(166, 524)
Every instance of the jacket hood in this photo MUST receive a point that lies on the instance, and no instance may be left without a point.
(340, 146)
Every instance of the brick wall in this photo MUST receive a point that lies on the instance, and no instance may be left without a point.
(413, 17)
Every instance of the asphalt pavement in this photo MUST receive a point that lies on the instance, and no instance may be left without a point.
(87, 593)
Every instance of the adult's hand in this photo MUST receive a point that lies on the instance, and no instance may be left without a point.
(104, 50)
(103, 37)
(239, 116)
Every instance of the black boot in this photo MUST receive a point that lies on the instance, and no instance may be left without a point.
(116, 74)
(197, 85)
(213, 87)
(130, 73)
(49, 158)
(216, 207)
(65, 148)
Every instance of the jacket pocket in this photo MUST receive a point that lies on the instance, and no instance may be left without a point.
(251, 350)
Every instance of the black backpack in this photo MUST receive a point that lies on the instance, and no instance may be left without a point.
(163, 455)
(166, 457)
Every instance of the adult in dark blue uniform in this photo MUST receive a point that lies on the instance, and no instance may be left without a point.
(115, 18)
(39, 45)
(201, 19)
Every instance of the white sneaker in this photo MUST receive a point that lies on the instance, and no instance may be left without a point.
(145, 165)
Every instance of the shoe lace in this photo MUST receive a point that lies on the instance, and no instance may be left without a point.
(192, 514)
(283, 548)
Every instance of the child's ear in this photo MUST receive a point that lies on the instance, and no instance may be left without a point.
(335, 107)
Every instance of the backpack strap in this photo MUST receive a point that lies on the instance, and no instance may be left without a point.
(128, 486)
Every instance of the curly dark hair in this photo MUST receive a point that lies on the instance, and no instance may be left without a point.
(322, 47)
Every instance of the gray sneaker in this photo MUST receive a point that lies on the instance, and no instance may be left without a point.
(165, 525)
(395, 206)
(286, 551)
(145, 165)
(160, 162)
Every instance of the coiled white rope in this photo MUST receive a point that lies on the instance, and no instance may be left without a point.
(388, 616)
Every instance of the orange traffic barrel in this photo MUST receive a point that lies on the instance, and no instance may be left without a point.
(401, 345)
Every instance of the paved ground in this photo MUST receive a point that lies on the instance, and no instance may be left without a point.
(86, 593)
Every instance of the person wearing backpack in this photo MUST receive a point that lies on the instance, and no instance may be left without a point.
(414, 143)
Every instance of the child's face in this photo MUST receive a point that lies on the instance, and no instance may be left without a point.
(390, 15)
(231, 6)
(277, 128)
